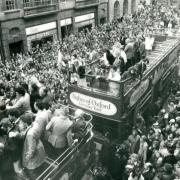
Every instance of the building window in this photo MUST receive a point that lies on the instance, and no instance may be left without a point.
(26, 3)
(42, 2)
(125, 7)
(116, 10)
(133, 6)
(10, 4)
(35, 3)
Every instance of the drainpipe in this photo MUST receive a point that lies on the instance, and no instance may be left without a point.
(108, 4)
(1, 46)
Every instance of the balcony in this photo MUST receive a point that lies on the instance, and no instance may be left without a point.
(8, 5)
(86, 3)
(39, 7)
(67, 4)
(9, 10)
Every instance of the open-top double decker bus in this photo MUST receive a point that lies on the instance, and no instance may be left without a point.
(72, 163)
(117, 114)
(113, 114)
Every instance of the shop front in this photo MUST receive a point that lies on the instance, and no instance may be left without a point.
(40, 34)
(86, 21)
(66, 27)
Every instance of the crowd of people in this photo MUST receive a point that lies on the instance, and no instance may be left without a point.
(34, 127)
(150, 152)
(33, 87)
(121, 45)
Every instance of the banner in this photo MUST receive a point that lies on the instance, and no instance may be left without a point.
(99, 104)
(93, 104)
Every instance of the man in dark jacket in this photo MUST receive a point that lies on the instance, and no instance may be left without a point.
(3, 111)
(142, 48)
(129, 50)
(148, 172)
(80, 125)
(167, 172)
(170, 159)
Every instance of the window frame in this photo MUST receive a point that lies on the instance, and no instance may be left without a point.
(10, 4)
(116, 10)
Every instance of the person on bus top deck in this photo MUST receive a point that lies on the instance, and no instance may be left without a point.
(16, 139)
(149, 42)
(33, 155)
(129, 50)
(82, 77)
(114, 77)
(120, 59)
(108, 57)
(142, 49)
(118, 51)
(58, 128)
(79, 126)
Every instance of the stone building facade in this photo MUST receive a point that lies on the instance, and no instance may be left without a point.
(119, 8)
(26, 23)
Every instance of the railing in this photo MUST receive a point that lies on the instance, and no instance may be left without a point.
(57, 164)
(37, 3)
(82, 3)
(166, 31)
(39, 6)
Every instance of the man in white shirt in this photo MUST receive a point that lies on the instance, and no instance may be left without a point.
(119, 52)
(149, 42)
(114, 77)
(42, 118)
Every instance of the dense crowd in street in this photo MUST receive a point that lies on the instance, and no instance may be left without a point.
(33, 90)
(151, 152)
(120, 44)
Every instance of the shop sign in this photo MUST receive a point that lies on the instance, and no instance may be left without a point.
(93, 104)
(66, 22)
(85, 23)
(40, 28)
(85, 17)
(39, 36)
(138, 93)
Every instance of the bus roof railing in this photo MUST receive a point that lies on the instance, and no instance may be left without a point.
(75, 145)
(165, 32)
(124, 81)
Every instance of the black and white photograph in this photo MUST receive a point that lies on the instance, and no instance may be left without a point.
(89, 89)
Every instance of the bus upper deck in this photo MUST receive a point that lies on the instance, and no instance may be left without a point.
(64, 161)
(62, 165)
(99, 84)
(97, 98)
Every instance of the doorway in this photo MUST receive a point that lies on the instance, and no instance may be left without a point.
(85, 28)
(102, 20)
(16, 48)
(66, 31)
(41, 42)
